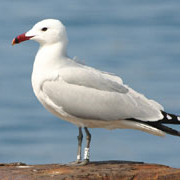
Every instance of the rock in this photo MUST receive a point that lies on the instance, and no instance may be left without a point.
(106, 170)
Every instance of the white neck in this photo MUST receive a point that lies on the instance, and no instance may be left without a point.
(48, 59)
(52, 51)
(50, 55)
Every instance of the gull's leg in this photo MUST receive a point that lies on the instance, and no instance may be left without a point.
(80, 138)
(86, 150)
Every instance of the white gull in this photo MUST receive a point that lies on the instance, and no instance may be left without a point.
(85, 96)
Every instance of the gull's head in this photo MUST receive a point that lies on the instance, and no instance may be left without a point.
(46, 32)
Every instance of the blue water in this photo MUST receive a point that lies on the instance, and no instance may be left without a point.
(137, 40)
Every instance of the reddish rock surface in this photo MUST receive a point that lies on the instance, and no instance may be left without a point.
(109, 170)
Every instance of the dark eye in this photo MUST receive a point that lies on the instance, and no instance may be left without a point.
(44, 29)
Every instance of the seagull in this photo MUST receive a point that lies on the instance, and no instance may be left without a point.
(85, 96)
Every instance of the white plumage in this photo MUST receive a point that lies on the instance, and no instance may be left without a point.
(83, 95)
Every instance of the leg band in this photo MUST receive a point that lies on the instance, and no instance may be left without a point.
(86, 153)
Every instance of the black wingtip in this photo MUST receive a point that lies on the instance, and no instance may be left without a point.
(159, 124)
(164, 128)
(170, 118)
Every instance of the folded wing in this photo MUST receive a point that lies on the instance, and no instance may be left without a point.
(90, 94)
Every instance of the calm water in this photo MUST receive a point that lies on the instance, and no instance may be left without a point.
(137, 40)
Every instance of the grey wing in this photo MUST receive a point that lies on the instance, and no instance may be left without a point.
(92, 78)
(89, 96)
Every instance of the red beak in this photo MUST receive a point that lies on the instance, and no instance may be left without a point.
(21, 38)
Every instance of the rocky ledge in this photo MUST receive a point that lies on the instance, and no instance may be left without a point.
(106, 170)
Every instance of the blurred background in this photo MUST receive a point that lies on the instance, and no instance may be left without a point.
(135, 39)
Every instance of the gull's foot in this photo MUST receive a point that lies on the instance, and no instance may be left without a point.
(79, 163)
(74, 163)
(84, 162)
